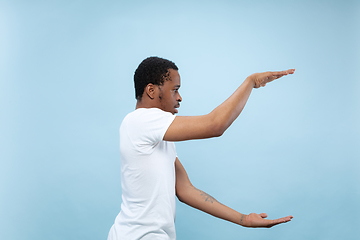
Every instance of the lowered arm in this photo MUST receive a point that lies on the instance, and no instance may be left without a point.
(196, 198)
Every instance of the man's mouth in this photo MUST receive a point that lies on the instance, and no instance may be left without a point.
(177, 106)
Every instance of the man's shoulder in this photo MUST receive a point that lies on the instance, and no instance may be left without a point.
(150, 123)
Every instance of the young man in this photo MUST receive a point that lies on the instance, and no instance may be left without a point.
(151, 173)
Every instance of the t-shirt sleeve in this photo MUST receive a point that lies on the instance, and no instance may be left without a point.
(151, 125)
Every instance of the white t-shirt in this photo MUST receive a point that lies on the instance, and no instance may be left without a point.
(147, 178)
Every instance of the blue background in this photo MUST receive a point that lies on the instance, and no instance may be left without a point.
(66, 82)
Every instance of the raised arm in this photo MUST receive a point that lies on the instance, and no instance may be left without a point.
(217, 121)
(196, 198)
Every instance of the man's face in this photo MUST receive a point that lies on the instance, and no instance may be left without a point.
(169, 95)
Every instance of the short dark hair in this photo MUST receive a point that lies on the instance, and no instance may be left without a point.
(153, 70)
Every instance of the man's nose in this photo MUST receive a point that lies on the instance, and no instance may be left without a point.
(179, 98)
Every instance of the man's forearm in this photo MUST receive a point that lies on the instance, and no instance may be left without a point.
(206, 203)
(230, 109)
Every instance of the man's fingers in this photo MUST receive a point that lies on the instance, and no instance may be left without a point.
(283, 73)
(281, 220)
(278, 74)
(291, 71)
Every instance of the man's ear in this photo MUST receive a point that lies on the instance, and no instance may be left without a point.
(150, 90)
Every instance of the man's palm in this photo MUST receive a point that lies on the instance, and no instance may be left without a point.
(258, 220)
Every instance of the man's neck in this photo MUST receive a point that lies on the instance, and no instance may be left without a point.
(145, 104)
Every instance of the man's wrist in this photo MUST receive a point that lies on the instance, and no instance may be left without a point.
(242, 219)
(250, 79)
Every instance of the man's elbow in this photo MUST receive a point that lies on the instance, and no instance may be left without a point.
(180, 198)
(180, 195)
(217, 125)
(218, 129)
(219, 132)
(183, 192)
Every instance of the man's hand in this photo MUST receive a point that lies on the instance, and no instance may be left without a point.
(254, 220)
(261, 79)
